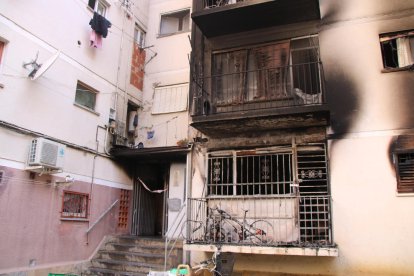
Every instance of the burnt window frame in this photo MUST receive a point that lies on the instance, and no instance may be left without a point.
(389, 50)
(84, 208)
(402, 188)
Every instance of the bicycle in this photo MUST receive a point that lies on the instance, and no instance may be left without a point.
(258, 232)
(211, 230)
(209, 265)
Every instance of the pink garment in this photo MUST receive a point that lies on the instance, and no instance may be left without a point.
(96, 40)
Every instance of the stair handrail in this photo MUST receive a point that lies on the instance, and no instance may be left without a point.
(102, 216)
(181, 214)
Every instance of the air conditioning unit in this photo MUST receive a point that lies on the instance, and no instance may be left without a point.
(46, 153)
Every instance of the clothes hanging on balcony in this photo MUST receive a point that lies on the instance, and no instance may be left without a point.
(95, 40)
(100, 24)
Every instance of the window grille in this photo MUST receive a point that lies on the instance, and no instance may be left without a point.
(75, 205)
(268, 173)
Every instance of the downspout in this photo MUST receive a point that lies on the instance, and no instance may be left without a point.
(93, 176)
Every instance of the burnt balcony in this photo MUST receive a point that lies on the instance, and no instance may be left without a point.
(285, 225)
(287, 91)
(221, 17)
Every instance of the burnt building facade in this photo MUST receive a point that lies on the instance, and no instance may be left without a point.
(294, 130)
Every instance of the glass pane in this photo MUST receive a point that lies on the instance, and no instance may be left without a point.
(85, 97)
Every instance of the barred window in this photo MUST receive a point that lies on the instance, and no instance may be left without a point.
(75, 205)
(256, 174)
(268, 171)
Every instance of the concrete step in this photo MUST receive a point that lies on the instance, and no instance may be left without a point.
(133, 257)
(124, 266)
(95, 271)
(149, 249)
(143, 241)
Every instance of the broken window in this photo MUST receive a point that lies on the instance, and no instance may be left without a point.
(397, 49)
(175, 22)
(75, 205)
(283, 70)
(268, 172)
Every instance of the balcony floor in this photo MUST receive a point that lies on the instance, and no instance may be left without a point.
(233, 124)
(266, 250)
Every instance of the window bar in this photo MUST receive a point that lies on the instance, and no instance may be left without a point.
(234, 158)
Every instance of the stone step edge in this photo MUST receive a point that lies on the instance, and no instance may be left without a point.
(129, 263)
(143, 246)
(113, 271)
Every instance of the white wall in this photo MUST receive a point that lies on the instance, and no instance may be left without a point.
(168, 67)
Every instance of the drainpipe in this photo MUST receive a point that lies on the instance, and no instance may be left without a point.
(187, 256)
(93, 175)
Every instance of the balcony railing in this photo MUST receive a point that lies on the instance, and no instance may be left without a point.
(261, 89)
(218, 3)
(275, 221)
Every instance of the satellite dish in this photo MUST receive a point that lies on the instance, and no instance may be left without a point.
(40, 69)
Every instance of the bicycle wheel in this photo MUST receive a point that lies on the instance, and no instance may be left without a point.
(260, 232)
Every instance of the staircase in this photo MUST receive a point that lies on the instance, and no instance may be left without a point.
(133, 256)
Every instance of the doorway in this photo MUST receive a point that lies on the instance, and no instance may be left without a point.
(149, 200)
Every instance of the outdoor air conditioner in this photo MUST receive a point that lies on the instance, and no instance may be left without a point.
(46, 153)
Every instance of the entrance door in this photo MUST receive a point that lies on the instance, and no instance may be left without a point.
(148, 210)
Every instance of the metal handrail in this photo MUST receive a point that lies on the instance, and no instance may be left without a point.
(181, 214)
(102, 216)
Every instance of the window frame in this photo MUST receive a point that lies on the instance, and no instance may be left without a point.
(96, 4)
(403, 189)
(84, 198)
(139, 36)
(286, 166)
(181, 22)
(90, 90)
(386, 38)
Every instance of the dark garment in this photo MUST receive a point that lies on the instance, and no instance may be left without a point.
(99, 24)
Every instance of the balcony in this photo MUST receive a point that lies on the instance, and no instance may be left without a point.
(259, 98)
(262, 224)
(221, 17)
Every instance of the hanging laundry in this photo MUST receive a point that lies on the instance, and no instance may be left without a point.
(100, 25)
(96, 40)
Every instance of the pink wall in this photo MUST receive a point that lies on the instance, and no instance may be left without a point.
(30, 223)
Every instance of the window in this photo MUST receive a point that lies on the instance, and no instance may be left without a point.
(175, 22)
(282, 70)
(99, 6)
(139, 36)
(268, 172)
(405, 168)
(75, 205)
(85, 96)
(168, 99)
(397, 49)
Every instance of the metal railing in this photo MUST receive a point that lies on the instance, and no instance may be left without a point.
(269, 88)
(102, 216)
(274, 221)
(172, 236)
(218, 3)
